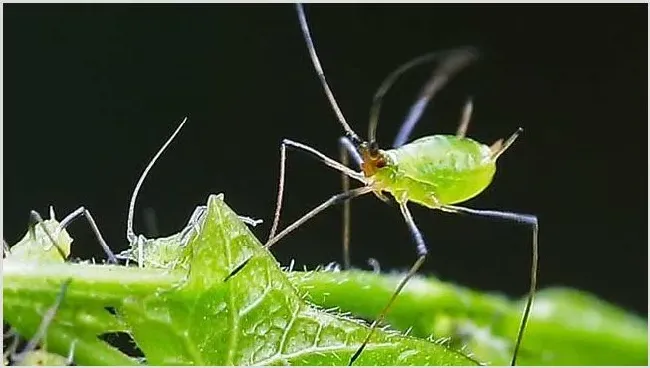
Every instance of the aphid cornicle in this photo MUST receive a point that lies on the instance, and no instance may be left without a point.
(436, 171)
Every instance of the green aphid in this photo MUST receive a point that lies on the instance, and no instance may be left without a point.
(437, 172)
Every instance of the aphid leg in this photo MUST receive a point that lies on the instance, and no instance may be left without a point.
(499, 148)
(45, 323)
(130, 234)
(36, 220)
(523, 219)
(197, 217)
(422, 253)
(465, 118)
(81, 211)
(334, 200)
(321, 157)
(13, 345)
(347, 149)
(5, 248)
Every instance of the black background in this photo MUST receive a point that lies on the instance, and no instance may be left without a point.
(92, 91)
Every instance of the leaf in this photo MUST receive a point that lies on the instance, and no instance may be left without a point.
(571, 327)
(566, 327)
(31, 282)
(238, 308)
(233, 307)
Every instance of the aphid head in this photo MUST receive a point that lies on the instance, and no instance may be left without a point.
(373, 158)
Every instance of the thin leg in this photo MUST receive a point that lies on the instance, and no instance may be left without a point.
(422, 252)
(328, 203)
(81, 211)
(346, 149)
(321, 157)
(45, 323)
(465, 118)
(10, 350)
(36, 219)
(523, 219)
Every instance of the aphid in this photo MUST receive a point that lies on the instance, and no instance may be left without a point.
(48, 234)
(436, 171)
(37, 220)
(161, 252)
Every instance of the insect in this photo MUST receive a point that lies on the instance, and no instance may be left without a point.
(55, 243)
(436, 172)
(161, 252)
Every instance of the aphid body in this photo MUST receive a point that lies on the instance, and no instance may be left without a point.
(432, 171)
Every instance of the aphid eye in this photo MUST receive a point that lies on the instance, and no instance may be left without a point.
(373, 149)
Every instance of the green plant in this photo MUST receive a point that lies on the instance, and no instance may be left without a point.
(226, 301)
(566, 327)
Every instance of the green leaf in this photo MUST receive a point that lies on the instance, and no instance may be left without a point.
(566, 327)
(207, 314)
(571, 327)
(254, 316)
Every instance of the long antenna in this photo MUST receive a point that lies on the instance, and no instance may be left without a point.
(130, 234)
(321, 75)
(452, 62)
(385, 86)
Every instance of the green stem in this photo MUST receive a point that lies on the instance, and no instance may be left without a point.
(90, 283)
(423, 305)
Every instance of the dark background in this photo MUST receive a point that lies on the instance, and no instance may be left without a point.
(92, 91)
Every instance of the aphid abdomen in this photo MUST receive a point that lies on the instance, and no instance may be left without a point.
(439, 169)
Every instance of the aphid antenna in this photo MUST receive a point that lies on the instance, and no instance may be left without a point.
(349, 132)
(130, 234)
(452, 61)
(499, 148)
